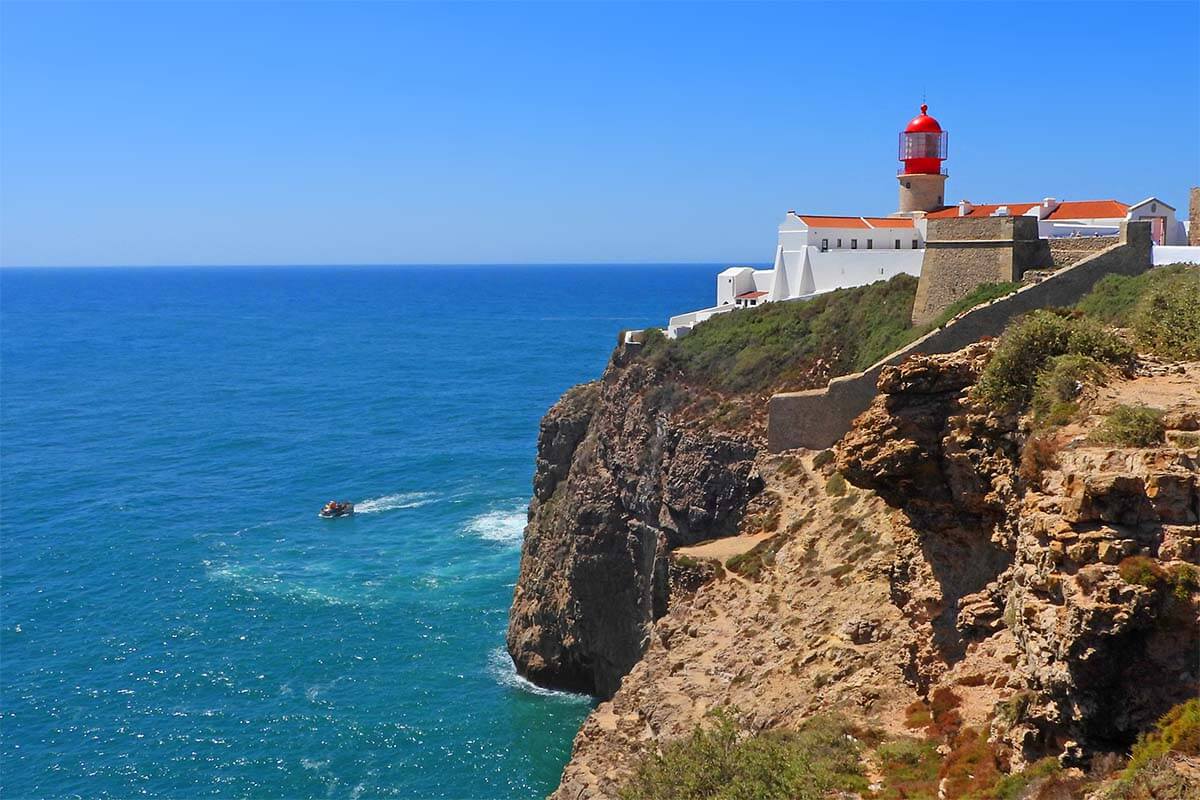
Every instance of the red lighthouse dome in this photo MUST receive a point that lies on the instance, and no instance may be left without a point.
(923, 145)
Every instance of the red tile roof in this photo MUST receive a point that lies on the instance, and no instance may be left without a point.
(890, 222)
(1014, 210)
(1090, 209)
(1068, 209)
(820, 221)
(751, 295)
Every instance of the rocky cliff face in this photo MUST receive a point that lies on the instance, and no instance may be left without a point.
(1084, 556)
(1049, 590)
(622, 478)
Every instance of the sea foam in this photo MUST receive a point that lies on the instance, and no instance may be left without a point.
(505, 525)
(504, 672)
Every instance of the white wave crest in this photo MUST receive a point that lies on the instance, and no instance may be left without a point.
(504, 672)
(501, 525)
(391, 502)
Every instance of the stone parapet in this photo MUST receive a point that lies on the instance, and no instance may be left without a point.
(817, 418)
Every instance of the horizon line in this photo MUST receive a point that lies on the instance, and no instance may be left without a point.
(378, 265)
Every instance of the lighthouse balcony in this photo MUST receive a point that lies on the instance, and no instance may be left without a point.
(939, 169)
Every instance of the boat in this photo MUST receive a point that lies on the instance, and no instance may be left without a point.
(335, 508)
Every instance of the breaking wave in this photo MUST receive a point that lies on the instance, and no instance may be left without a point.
(501, 525)
(504, 672)
(391, 502)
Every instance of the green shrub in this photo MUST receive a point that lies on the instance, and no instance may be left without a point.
(1166, 321)
(836, 485)
(822, 458)
(719, 761)
(1012, 787)
(1130, 426)
(1032, 341)
(1178, 731)
(1183, 579)
(1141, 570)
(1059, 385)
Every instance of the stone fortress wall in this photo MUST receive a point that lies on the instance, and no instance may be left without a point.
(817, 418)
(962, 253)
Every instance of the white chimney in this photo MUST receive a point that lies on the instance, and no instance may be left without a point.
(964, 208)
(1002, 211)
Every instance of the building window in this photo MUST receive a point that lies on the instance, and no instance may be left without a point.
(854, 244)
(1153, 207)
(915, 244)
(870, 244)
(824, 245)
(897, 244)
(839, 247)
(908, 184)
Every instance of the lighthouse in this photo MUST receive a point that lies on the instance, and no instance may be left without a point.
(922, 176)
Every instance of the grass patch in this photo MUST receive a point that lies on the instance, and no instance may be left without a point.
(777, 344)
(1130, 426)
(721, 761)
(751, 563)
(909, 768)
(1029, 344)
(1114, 297)
(1166, 321)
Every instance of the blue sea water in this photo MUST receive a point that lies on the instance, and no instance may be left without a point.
(175, 621)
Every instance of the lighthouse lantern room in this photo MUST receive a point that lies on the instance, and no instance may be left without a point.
(923, 147)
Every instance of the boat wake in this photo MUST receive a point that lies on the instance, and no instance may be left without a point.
(392, 502)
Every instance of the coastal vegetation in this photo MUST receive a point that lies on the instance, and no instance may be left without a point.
(790, 345)
(1028, 346)
(719, 761)
(1161, 307)
(1131, 426)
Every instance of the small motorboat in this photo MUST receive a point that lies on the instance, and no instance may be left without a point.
(335, 508)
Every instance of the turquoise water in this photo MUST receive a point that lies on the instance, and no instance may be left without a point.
(177, 622)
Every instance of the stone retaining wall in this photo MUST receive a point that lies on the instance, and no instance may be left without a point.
(817, 418)
(1067, 251)
(963, 252)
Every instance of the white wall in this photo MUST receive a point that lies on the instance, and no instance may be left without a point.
(1168, 254)
(733, 282)
(838, 269)
(1153, 207)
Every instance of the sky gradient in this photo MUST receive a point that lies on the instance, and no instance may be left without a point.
(377, 133)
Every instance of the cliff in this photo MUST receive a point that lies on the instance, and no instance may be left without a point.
(989, 583)
(621, 480)
(658, 454)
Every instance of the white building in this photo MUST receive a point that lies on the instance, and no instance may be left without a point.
(818, 253)
(1059, 218)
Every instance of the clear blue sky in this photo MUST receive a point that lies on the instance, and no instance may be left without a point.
(254, 133)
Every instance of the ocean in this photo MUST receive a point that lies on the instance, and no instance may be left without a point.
(175, 621)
